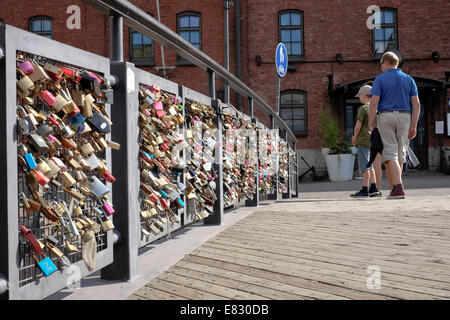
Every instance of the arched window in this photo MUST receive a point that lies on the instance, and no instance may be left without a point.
(189, 27)
(41, 25)
(385, 37)
(290, 23)
(293, 110)
(141, 49)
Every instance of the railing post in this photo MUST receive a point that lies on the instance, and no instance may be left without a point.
(182, 177)
(287, 195)
(125, 166)
(250, 108)
(116, 38)
(216, 218)
(211, 84)
(255, 201)
(274, 195)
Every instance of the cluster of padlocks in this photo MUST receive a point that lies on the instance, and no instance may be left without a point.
(267, 167)
(62, 123)
(160, 163)
(201, 134)
(239, 158)
(283, 170)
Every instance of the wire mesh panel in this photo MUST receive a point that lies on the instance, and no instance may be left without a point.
(283, 170)
(268, 166)
(239, 159)
(57, 196)
(161, 142)
(201, 171)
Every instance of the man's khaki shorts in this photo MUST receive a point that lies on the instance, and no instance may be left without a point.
(394, 128)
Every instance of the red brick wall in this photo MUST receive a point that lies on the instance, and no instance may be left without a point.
(330, 27)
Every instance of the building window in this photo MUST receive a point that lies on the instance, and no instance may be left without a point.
(290, 24)
(141, 49)
(293, 111)
(189, 27)
(41, 25)
(385, 37)
(1, 21)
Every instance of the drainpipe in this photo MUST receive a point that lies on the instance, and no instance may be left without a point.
(226, 6)
(238, 51)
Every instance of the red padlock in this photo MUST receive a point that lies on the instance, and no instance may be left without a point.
(41, 178)
(53, 121)
(108, 176)
(31, 239)
(165, 203)
(154, 197)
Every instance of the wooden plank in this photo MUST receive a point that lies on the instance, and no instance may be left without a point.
(266, 286)
(336, 258)
(392, 280)
(148, 293)
(209, 287)
(422, 252)
(317, 243)
(435, 233)
(182, 291)
(318, 286)
(334, 277)
(256, 291)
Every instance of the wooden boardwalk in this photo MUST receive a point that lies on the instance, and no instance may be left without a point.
(321, 249)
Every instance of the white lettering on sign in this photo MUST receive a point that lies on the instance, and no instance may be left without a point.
(374, 21)
(74, 20)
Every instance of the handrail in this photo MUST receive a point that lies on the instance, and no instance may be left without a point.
(142, 22)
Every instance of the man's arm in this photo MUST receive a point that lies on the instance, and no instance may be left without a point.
(373, 110)
(356, 132)
(415, 117)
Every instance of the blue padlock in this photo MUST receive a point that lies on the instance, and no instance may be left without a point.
(46, 265)
(180, 202)
(163, 194)
(77, 122)
(30, 161)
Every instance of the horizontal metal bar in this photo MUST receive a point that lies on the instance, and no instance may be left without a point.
(152, 28)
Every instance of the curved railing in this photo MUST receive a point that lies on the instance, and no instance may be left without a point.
(140, 21)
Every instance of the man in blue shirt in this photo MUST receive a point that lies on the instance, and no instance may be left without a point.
(394, 95)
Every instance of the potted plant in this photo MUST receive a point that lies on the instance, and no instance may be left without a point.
(330, 131)
(339, 158)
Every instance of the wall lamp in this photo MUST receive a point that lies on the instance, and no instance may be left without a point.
(435, 56)
(339, 57)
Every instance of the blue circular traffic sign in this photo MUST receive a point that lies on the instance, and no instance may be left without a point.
(281, 59)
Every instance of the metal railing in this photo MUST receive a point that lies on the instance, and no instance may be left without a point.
(140, 21)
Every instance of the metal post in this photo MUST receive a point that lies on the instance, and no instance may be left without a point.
(255, 201)
(211, 84)
(226, 5)
(250, 108)
(287, 195)
(296, 171)
(116, 36)
(216, 218)
(278, 95)
(274, 195)
(125, 162)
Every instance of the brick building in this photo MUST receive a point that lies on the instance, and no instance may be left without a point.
(332, 52)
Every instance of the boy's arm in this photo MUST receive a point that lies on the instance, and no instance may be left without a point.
(356, 132)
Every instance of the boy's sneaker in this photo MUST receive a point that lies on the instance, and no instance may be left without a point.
(360, 194)
(397, 192)
(374, 192)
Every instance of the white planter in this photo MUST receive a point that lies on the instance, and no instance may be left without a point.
(340, 166)
(325, 151)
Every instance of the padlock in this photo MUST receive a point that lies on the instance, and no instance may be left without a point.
(87, 236)
(38, 143)
(59, 102)
(26, 67)
(46, 265)
(42, 179)
(67, 221)
(51, 244)
(48, 211)
(108, 176)
(31, 240)
(30, 161)
(99, 122)
(107, 207)
(77, 122)
(67, 178)
(106, 223)
(25, 83)
(44, 130)
(48, 97)
(97, 187)
(25, 124)
(93, 162)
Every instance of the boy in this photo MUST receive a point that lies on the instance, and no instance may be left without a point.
(361, 138)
